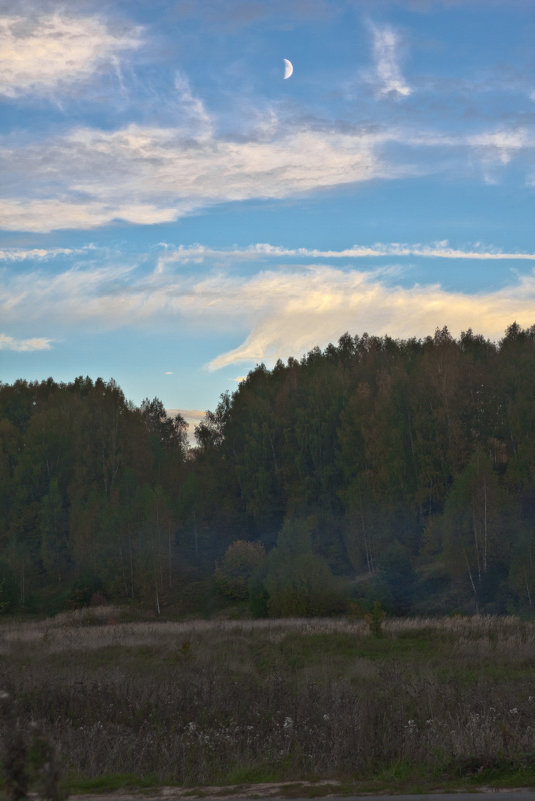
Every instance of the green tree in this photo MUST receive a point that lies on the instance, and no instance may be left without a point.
(395, 579)
(242, 560)
(477, 527)
(298, 581)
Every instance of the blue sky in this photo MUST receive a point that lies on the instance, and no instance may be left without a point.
(173, 211)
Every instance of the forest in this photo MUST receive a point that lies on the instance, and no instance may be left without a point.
(397, 471)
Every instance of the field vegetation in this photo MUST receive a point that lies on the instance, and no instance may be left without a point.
(420, 703)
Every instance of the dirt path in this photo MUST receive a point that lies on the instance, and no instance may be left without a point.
(299, 790)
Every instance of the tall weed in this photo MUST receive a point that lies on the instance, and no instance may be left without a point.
(193, 703)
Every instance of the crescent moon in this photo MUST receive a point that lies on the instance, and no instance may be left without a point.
(288, 68)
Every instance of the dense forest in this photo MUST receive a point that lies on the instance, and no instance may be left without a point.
(376, 469)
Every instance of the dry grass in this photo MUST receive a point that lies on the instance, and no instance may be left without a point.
(100, 626)
(202, 702)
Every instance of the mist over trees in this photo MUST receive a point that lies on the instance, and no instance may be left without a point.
(397, 470)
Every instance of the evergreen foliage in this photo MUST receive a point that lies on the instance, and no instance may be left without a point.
(410, 464)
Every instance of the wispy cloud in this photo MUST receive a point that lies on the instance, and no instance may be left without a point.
(40, 254)
(43, 52)
(315, 307)
(197, 116)
(277, 312)
(502, 145)
(34, 343)
(198, 254)
(40, 297)
(146, 175)
(89, 177)
(386, 45)
(52, 214)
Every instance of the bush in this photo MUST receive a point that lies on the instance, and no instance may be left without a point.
(84, 589)
(298, 581)
(375, 619)
(28, 757)
(241, 561)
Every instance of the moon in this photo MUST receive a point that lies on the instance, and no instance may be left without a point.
(288, 68)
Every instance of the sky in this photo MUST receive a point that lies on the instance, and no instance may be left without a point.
(174, 211)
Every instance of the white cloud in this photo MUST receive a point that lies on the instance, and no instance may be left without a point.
(40, 254)
(44, 297)
(42, 216)
(40, 53)
(501, 145)
(148, 175)
(193, 107)
(34, 343)
(276, 313)
(315, 308)
(388, 72)
(198, 254)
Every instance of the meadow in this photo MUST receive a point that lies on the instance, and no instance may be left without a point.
(431, 703)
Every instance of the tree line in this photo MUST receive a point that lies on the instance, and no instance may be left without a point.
(398, 470)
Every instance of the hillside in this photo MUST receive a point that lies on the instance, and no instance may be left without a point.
(376, 469)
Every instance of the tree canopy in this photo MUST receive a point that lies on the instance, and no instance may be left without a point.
(410, 465)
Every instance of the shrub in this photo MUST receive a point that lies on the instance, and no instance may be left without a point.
(298, 581)
(375, 619)
(84, 589)
(241, 561)
(28, 757)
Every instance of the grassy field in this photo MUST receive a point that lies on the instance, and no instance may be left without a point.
(432, 703)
